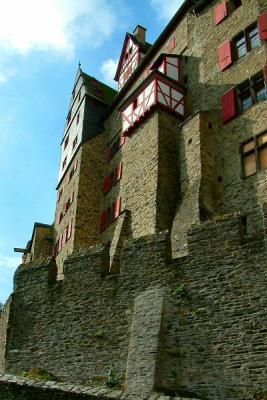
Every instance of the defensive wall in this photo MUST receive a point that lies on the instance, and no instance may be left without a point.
(191, 326)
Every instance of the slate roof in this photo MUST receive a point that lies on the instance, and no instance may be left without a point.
(98, 89)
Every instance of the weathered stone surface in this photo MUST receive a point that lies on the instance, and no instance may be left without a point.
(211, 341)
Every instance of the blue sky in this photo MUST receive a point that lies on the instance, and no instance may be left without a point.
(41, 44)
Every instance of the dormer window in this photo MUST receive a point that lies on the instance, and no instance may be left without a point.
(134, 50)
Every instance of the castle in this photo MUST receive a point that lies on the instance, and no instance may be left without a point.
(156, 260)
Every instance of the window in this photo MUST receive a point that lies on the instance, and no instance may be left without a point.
(75, 141)
(110, 215)
(64, 163)
(112, 179)
(61, 215)
(254, 155)
(78, 118)
(236, 3)
(79, 96)
(66, 142)
(67, 205)
(246, 41)
(135, 103)
(68, 117)
(111, 151)
(60, 194)
(251, 91)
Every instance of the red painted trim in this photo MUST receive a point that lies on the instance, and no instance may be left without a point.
(143, 107)
(156, 90)
(263, 26)
(179, 89)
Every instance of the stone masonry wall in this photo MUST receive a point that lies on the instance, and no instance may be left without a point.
(68, 187)
(168, 187)
(4, 326)
(90, 193)
(212, 335)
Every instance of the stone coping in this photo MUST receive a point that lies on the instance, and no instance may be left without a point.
(91, 392)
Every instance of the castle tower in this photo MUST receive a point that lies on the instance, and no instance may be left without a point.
(81, 168)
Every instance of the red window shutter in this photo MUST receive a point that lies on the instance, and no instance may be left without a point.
(229, 105)
(107, 184)
(119, 172)
(109, 154)
(69, 229)
(72, 197)
(116, 208)
(172, 44)
(103, 221)
(263, 26)
(220, 12)
(59, 244)
(64, 236)
(225, 55)
(122, 140)
(265, 73)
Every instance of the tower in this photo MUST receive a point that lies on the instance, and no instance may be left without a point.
(81, 168)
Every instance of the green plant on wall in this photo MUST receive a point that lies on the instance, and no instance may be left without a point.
(112, 380)
(38, 374)
(180, 293)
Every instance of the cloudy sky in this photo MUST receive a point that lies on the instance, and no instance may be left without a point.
(41, 43)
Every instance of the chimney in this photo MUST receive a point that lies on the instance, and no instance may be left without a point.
(140, 34)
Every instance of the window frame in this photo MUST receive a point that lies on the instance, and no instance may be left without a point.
(245, 35)
(251, 89)
(255, 150)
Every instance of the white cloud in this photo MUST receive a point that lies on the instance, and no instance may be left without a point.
(7, 262)
(8, 266)
(108, 70)
(165, 9)
(52, 25)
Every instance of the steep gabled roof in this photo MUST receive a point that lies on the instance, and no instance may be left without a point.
(194, 6)
(143, 46)
(98, 89)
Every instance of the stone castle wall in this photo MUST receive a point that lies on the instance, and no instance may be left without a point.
(4, 330)
(191, 326)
